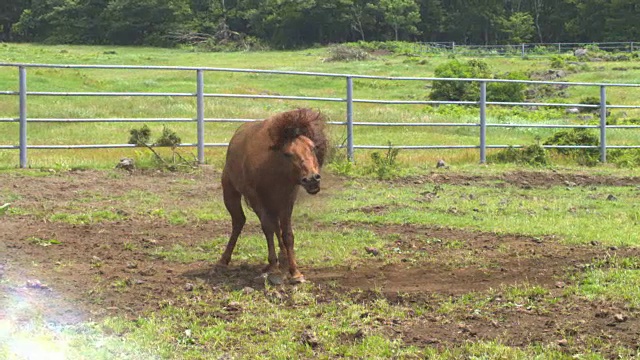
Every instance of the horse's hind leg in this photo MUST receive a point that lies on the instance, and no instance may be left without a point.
(233, 202)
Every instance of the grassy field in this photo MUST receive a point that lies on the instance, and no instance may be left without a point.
(499, 261)
(516, 265)
(304, 60)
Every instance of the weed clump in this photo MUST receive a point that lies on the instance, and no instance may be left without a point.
(586, 157)
(534, 155)
(347, 53)
(142, 137)
(470, 91)
(384, 166)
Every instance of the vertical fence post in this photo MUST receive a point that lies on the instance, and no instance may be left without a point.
(632, 46)
(483, 122)
(200, 114)
(523, 55)
(22, 80)
(350, 118)
(603, 124)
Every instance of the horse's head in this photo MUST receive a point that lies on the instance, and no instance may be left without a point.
(301, 151)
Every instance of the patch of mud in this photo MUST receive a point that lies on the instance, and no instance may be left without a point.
(543, 179)
(110, 267)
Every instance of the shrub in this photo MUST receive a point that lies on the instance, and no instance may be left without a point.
(534, 155)
(625, 158)
(588, 157)
(590, 100)
(347, 53)
(470, 91)
(459, 90)
(384, 166)
(508, 92)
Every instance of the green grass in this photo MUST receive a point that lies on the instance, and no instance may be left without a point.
(217, 82)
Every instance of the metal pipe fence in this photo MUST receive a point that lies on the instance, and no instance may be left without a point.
(349, 100)
(522, 50)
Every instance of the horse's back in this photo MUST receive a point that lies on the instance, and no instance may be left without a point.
(240, 153)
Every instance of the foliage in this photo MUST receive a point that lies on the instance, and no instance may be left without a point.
(168, 138)
(590, 100)
(459, 90)
(347, 53)
(384, 166)
(470, 91)
(624, 158)
(588, 157)
(303, 23)
(534, 155)
(519, 27)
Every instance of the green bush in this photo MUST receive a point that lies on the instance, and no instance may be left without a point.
(590, 100)
(587, 157)
(534, 155)
(384, 166)
(624, 158)
(508, 92)
(347, 53)
(459, 90)
(470, 91)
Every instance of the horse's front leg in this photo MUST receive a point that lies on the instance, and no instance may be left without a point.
(269, 227)
(288, 240)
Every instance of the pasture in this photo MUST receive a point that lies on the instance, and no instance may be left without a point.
(238, 83)
(468, 261)
(450, 264)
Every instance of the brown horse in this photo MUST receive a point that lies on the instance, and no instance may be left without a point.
(266, 163)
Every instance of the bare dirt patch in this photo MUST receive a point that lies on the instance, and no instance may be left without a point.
(110, 267)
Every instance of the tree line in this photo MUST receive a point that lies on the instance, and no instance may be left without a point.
(301, 23)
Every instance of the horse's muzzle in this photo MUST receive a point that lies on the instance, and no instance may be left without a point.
(311, 183)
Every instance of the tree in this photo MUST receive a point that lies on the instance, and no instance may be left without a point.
(401, 15)
(10, 11)
(518, 27)
(137, 22)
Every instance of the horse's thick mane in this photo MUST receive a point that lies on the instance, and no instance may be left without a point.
(286, 126)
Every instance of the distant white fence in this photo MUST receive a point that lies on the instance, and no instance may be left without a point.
(200, 120)
(522, 50)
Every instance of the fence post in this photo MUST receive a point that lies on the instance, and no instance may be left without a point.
(22, 80)
(200, 114)
(523, 55)
(350, 118)
(603, 124)
(483, 122)
(632, 46)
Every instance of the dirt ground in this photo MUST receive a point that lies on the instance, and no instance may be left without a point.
(77, 277)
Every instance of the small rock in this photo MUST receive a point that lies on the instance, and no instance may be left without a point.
(275, 279)
(308, 337)
(612, 197)
(580, 52)
(619, 318)
(613, 248)
(132, 265)
(126, 164)
(233, 306)
(36, 284)
(560, 284)
(248, 290)
(371, 250)
(441, 164)
(188, 287)
(563, 342)
(573, 110)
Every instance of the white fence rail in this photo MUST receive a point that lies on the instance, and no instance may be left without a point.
(349, 100)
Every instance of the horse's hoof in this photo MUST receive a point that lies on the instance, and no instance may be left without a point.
(298, 279)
